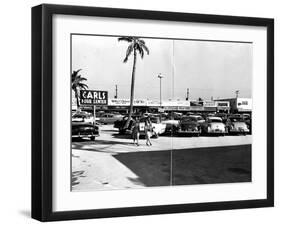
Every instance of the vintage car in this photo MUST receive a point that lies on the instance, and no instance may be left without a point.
(248, 120)
(158, 127)
(189, 125)
(223, 116)
(109, 118)
(175, 115)
(237, 125)
(199, 118)
(213, 125)
(171, 125)
(82, 116)
(84, 130)
(120, 125)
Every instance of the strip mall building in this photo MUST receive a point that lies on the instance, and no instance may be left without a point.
(231, 105)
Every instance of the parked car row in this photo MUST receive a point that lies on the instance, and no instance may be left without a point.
(191, 124)
(84, 125)
(195, 124)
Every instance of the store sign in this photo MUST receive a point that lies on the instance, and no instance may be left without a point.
(222, 104)
(93, 97)
(126, 102)
(244, 104)
(196, 108)
(209, 103)
(178, 103)
(196, 103)
(148, 103)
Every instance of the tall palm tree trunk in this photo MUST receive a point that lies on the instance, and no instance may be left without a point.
(77, 99)
(132, 90)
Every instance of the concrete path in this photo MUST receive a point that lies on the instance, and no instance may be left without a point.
(114, 162)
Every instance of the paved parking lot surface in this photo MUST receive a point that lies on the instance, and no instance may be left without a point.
(114, 162)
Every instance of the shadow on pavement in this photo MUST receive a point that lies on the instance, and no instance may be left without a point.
(106, 148)
(75, 177)
(96, 142)
(227, 164)
(122, 136)
(152, 168)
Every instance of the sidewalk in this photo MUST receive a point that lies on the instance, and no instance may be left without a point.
(114, 162)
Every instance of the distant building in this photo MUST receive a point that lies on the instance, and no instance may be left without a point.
(222, 106)
(239, 105)
(225, 105)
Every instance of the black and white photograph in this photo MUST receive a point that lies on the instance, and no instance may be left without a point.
(142, 112)
(156, 112)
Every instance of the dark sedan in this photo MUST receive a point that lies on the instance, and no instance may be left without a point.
(84, 130)
(189, 125)
(120, 125)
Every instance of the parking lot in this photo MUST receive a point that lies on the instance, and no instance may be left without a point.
(112, 161)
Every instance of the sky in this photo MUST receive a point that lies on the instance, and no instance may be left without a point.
(209, 69)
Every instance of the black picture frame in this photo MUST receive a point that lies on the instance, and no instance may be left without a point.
(42, 111)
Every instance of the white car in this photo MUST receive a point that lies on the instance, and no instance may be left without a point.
(214, 125)
(82, 116)
(171, 124)
(236, 125)
(109, 118)
(158, 127)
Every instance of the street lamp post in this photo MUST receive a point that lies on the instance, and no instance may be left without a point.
(160, 76)
(237, 93)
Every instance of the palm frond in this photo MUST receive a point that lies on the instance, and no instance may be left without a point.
(80, 79)
(127, 39)
(142, 41)
(137, 44)
(143, 46)
(82, 86)
(140, 50)
(128, 53)
(77, 80)
(75, 74)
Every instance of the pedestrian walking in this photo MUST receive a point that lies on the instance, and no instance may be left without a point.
(148, 131)
(136, 132)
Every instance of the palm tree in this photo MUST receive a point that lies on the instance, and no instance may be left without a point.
(77, 84)
(136, 45)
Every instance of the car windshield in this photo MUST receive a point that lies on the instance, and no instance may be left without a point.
(152, 119)
(189, 119)
(215, 120)
(155, 120)
(81, 116)
(246, 117)
(237, 119)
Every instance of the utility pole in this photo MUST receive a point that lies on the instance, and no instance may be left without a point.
(160, 76)
(187, 94)
(237, 93)
(116, 92)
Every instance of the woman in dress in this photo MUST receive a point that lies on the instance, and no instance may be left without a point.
(148, 131)
(136, 132)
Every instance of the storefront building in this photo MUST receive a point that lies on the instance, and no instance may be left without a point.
(239, 105)
(121, 105)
